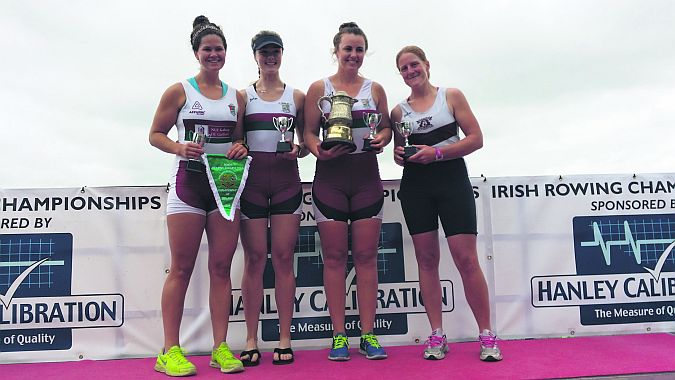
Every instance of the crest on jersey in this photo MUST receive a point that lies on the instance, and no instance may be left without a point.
(285, 107)
(233, 109)
(424, 123)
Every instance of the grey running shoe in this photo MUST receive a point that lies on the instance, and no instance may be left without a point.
(489, 352)
(437, 346)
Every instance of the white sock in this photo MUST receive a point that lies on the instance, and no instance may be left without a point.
(438, 332)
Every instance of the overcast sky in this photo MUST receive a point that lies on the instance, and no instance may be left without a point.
(559, 87)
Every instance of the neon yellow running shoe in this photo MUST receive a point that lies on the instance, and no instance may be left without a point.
(370, 347)
(222, 358)
(174, 363)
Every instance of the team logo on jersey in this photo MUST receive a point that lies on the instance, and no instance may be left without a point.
(365, 103)
(424, 123)
(252, 99)
(233, 109)
(285, 107)
(196, 109)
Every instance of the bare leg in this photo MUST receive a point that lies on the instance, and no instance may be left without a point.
(185, 234)
(465, 255)
(427, 252)
(284, 236)
(365, 239)
(254, 241)
(223, 237)
(334, 251)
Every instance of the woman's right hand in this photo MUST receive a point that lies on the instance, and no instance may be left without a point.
(190, 150)
(334, 152)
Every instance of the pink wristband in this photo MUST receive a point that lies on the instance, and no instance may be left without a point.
(439, 154)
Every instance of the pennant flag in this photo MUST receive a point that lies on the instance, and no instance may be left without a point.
(227, 178)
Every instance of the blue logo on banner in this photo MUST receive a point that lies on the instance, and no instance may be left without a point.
(21, 276)
(638, 247)
(396, 297)
(37, 309)
(308, 264)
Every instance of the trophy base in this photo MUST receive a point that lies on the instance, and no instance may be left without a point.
(409, 151)
(284, 147)
(195, 166)
(366, 145)
(331, 142)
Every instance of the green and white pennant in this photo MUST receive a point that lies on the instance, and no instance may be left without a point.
(227, 179)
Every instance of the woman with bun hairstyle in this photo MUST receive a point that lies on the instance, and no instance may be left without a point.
(347, 192)
(201, 104)
(435, 185)
(272, 196)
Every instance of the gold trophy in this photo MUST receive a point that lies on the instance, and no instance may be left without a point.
(338, 129)
(283, 124)
(405, 129)
(372, 120)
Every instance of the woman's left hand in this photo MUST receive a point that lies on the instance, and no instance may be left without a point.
(425, 155)
(238, 151)
(293, 154)
(377, 143)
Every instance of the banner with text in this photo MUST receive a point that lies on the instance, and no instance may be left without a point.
(82, 270)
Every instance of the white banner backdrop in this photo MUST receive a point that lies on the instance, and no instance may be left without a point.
(578, 255)
(583, 255)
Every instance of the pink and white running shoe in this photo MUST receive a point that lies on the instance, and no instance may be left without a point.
(489, 352)
(437, 346)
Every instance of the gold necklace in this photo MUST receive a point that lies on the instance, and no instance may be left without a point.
(262, 90)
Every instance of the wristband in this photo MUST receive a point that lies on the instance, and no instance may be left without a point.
(439, 154)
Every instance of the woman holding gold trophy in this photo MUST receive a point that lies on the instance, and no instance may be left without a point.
(435, 184)
(273, 194)
(347, 186)
(208, 116)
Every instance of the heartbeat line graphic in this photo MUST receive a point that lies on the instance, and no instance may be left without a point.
(629, 240)
(6, 298)
(317, 252)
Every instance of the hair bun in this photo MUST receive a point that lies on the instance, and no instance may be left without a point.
(200, 20)
(346, 25)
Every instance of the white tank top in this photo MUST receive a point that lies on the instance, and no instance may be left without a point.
(216, 119)
(434, 127)
(261, 135)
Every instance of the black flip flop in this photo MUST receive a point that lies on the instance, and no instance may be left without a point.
(283, 351)
(249, 362)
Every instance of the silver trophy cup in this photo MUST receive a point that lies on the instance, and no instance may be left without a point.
(283, 124)
(372, 120)
(195, 164)
(405, 129)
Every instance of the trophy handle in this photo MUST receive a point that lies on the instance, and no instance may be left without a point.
(324, 98)
(288, 128)
(275, 122)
